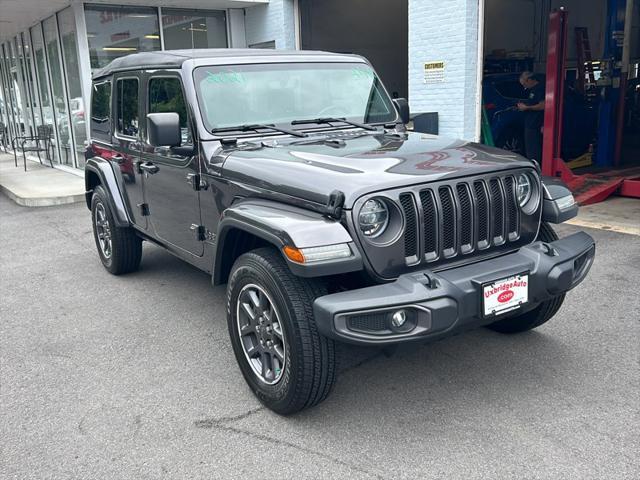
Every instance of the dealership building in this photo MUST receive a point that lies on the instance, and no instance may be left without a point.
(430, 51)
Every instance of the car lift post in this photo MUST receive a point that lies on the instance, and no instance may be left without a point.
(552, 162)
(588, 188)
(610, 85)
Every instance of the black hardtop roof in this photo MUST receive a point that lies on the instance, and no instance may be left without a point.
(175, 58)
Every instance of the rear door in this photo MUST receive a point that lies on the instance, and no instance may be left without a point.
(127, 107)
(174, 203)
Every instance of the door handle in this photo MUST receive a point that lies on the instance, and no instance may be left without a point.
(148, 167)
(118, 159)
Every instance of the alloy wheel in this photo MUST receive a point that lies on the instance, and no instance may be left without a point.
(103, 230)
(261, 334)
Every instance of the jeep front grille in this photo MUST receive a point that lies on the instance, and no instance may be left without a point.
(459, 218)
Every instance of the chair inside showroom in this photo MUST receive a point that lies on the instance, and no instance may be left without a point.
(41, 142)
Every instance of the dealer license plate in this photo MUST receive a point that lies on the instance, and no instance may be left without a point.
(505, 295)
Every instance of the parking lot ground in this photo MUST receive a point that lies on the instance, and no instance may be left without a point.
(133, 377)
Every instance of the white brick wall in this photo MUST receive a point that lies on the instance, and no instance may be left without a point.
(272, 21)
(447, 31)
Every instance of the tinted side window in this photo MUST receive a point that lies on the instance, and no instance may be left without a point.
(165, 95)
(101, 111)
(127, 106)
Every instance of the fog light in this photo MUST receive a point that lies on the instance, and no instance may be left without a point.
(399, 318)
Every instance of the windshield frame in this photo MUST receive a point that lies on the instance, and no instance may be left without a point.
(302, 128)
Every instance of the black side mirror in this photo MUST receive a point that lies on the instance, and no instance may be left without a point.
(403, 109)
(164, 129)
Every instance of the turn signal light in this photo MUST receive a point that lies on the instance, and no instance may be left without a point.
(293, 254)
(317, 254)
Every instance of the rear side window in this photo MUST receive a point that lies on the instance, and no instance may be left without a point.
(165, 95)
(127, 106)
(101, 111)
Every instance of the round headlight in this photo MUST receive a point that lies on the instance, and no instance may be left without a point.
(373, 217)
(523, 189)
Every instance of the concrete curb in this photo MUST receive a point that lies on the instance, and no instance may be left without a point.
(42, 201)
(40, 186)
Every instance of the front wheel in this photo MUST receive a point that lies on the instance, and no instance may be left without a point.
(286, 362)
(540, 314)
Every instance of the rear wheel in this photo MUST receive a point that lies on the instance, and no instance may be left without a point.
(120, 249)
(540, 314)
(286, 362)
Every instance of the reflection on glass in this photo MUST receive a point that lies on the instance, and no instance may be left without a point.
(57, 89)
(4, 103)
(127, 107)
(41, 72)
(35, 104)
(66, 23)
(15, 92)
(23, 86)
(193, 28)
(9, 110)
(115, 31)
(165, 95)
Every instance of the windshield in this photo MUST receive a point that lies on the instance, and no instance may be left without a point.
(233, 95)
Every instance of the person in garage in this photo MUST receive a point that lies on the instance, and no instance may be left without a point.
(533, 108)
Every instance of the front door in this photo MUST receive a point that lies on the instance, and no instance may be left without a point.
(174, 204)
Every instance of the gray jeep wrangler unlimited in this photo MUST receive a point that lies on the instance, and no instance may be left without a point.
(290, 177)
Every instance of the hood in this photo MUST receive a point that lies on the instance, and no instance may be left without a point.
(359, 163)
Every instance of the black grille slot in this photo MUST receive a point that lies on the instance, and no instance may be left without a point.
(497, 203)
(448, 221)
(466, 217)
(430, 224)
(368, 322)
(512, 208)
(482, 217)
(411, 233)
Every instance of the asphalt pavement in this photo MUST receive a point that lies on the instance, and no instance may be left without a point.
(133, 377)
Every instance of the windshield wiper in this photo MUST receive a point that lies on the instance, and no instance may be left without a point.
(257, 126)
(334, 120)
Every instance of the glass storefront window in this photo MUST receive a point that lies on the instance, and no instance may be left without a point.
(9, 110)
(33, 91)
(40, 61)
(57, 89)
(193, 28)
(67, 25)
(115, 31)
(22, 86)
(14, 91)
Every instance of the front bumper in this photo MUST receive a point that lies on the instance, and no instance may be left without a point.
(446, 302)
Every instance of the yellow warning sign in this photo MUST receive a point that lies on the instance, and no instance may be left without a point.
(434, 72)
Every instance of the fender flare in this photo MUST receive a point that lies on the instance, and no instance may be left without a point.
(281, 224)
(102, 168)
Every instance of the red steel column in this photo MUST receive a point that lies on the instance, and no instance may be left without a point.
(554, 93)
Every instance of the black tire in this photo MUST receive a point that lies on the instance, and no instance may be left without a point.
(540, 314)
(125, 250)
(309, 369)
